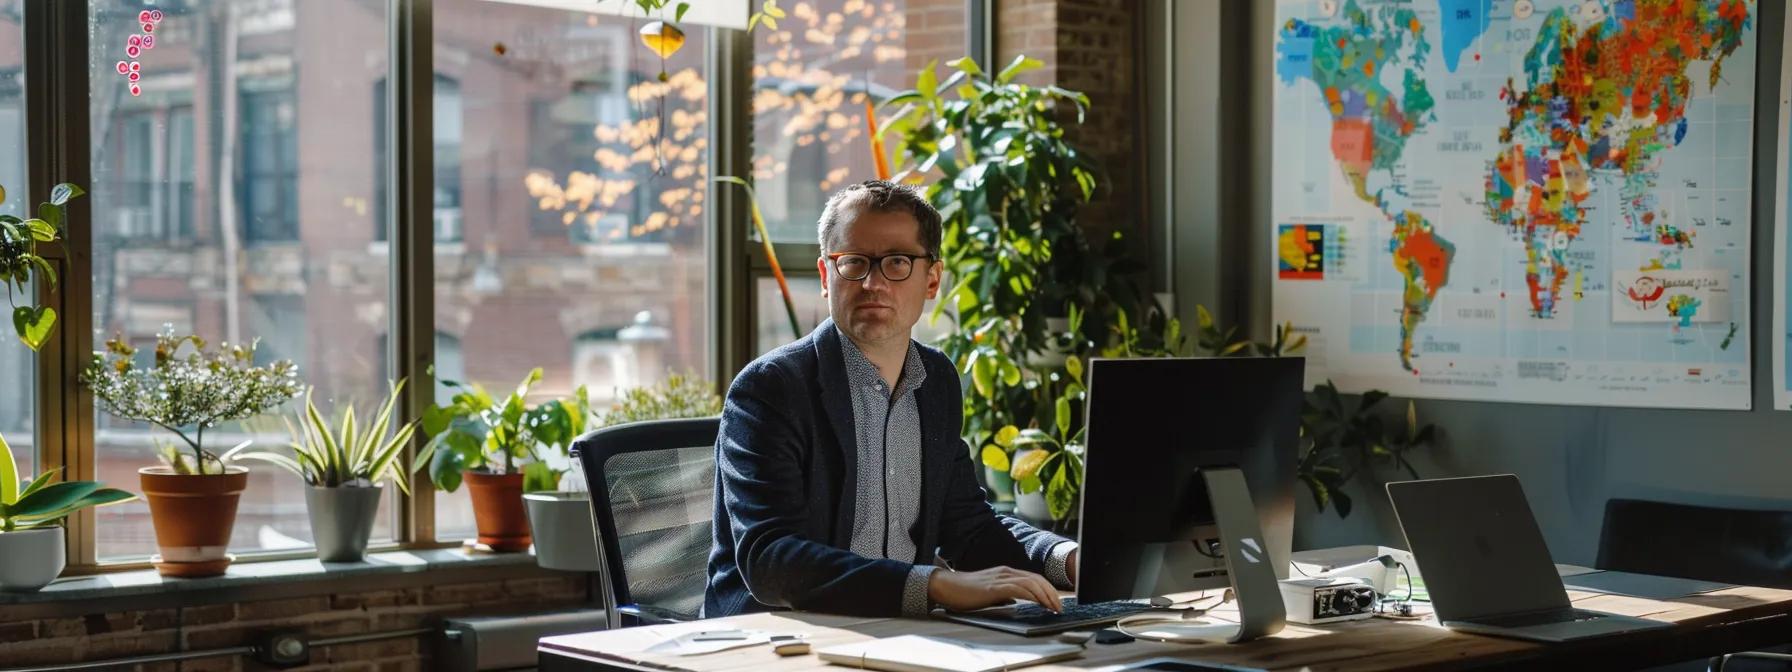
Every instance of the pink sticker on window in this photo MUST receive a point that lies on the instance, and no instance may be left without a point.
(149, 27)
(136, 90)
(122, 67)
(133, 51)
(136, 66)
(134, 41)
(144, 16)
(134, 76)
(155, 15)
(149, 41)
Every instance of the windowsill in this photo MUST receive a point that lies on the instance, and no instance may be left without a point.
(256, 576)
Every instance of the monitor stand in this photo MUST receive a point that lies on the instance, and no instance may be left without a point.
(1248, 567)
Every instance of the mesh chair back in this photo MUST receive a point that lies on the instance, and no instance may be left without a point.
(652, 496)
(1747, 547)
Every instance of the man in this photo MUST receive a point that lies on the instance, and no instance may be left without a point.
(839, 468)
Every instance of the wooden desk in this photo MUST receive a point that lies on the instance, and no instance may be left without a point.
(1734, 619)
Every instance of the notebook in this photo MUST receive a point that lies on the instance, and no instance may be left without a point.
(917, 653)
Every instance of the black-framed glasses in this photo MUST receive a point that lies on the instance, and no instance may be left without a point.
(895, 267)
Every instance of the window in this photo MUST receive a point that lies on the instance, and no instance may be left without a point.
(17, 380)
(270, 162)
(447, 215)
(208, 153)
(811, 78)
(585, 183)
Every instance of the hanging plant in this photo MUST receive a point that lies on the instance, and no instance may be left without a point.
(19, 261)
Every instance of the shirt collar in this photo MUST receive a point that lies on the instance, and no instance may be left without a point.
(860, 372)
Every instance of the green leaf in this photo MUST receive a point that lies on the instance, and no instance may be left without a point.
(966, 65)
(1063, 416)
(1021, 64)
(983, 376)
(446, 465)
(927, 83)
(1010, 373)
(678, 16)
(1005, 436)
(61, 194)
(52, 498)
(995, 458)
(753, 23)
(100, 497)
(48, 222)
(9, 475)
(1028, 486)
(1074, 365)
(1060, 495)
(436, 419)
(771, 9)
(277, 460)
(33, 325)
(37, 484)
(539, 477)
(1033, 437)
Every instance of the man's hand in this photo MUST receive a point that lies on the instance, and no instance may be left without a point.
(964, 591)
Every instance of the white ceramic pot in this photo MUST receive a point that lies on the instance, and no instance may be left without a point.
(565, 537)
(31, 559)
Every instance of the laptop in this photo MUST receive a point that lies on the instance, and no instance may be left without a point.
(1486, 565)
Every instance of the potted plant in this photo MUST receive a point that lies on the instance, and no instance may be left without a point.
(19, 261)
(495, 448)
(31, 515)
(193, 498)
(343, 468)
(562, 519)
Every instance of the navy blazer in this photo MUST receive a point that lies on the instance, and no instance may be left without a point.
(786, 487)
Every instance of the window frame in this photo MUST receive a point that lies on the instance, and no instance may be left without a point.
(57, 122)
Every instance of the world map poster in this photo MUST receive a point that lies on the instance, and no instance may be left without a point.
(1540, 201)
(1782, 251)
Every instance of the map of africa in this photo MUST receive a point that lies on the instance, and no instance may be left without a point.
(1517, 200)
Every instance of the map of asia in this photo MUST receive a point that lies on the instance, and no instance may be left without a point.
(1539, 201)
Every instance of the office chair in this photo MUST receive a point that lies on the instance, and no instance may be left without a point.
(1747, 547)
(652, 499)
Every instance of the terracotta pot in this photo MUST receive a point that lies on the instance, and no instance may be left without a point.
(193, 517)
(498, 510)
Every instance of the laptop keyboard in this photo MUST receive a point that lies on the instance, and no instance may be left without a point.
(1074, 613)
(1539, 618)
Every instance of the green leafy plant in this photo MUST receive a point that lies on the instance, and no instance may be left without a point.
(477, 432)
(189, 388)
(348, 454)
(1341, 441)
(19, 262)
(1009, 188)
(678, 396)
(36, 503)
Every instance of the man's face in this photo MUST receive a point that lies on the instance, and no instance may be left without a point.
(876, 309)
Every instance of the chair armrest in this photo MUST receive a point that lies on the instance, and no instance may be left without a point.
(651, 615)
(1717, 664)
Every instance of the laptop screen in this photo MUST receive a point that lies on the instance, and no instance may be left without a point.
(1478, 546)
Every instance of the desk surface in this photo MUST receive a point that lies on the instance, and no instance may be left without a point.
(1733, 619)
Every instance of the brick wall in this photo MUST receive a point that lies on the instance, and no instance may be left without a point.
(115, 634)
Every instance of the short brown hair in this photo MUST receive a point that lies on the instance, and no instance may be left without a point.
(880, 196)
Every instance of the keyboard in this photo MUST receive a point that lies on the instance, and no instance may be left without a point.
(1032, 620)
(1550, 617)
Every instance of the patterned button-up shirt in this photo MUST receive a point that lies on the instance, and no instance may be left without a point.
(887, 427)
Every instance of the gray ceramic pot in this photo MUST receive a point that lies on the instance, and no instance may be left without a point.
(565, 537)
(31, 559)
(341, 521)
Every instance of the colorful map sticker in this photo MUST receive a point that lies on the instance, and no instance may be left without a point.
(1521, 167)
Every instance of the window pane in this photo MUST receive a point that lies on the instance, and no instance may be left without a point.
(17, 368)
(575, 225)
(204, 222)
(810, 77)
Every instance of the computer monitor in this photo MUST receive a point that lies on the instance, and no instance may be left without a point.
(1153, 425)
